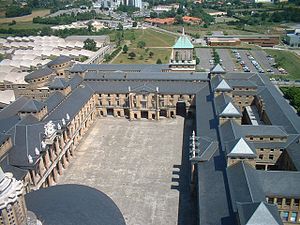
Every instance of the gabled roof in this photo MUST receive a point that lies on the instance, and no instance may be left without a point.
(146, 87)
(259, 213)
(218, 69)
(59, 60)
(230, 110)
(58, 83)
(183, 42)
(32, 106)
(39, 73)
(225, 107)
(241, 147)
(223, 86)
(244, 184)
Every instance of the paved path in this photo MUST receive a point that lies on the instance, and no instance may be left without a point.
(204, 54)
(136, 164)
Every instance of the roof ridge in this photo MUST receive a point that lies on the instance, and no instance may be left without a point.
(247, 180)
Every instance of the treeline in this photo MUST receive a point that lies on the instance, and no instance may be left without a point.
(47, 31)
(293, 95)
(68, 18)
(196, 10)
(291, 14)
(16, 10)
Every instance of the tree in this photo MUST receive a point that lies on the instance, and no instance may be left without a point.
(178, 19)
(107, 57)
(141, 44)
(131, 55)
(151, 54)
(90, 44)
(158, 61)
(134, 24)
(120, 26)
(125, 49)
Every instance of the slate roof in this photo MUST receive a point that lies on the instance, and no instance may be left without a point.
(244, 184)
(73, 204)
(224, 106)
(120, 67)
(293, 151)
(72, 103)
(26, 139)
(59, 60)
(164, 87)
(58, 83)
(213, 171)
(240, 147)
(280, 183)
(54, 100)
(75, 81)
(45, 71)
(223, 86)
(258, 213)
(218, 69)
(32, 106)
(157, 76)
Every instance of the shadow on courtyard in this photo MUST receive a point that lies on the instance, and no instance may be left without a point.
(181, 174)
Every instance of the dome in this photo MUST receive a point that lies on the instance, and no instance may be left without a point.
(73, 204)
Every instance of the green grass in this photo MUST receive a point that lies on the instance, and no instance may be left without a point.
(28, 18)
(158, 42)
(23, 25)
(159, 53)
(287, 60)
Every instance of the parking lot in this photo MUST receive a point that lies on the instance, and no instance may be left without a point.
(265, 61)
(139, 165)
(226, 60)
(205, 55)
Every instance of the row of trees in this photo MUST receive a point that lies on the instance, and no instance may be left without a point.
(292, 94)
(68, 18)
(16, 10)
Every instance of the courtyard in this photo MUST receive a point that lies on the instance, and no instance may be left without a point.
(140, 166)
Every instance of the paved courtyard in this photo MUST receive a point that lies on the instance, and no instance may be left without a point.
(138, 165)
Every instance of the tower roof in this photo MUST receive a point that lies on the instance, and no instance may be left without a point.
(258, 213)
(223, 86)
(183, 42)
(230, 110)
(32, 106)
(218, 69)
(241, 148)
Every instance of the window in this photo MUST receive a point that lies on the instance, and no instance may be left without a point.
(271, 200)
(279, 201)
(262, 149)
(261, 138)
(284, 216)
(261, 156)
(271, 150)
(288, 201)
(271, 139)
(271, 157)
(296, 202)
(293, 217)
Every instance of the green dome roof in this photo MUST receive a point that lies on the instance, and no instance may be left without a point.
(183, 42)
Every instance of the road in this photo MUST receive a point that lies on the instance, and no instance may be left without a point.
(261, 58)
(227, 61)
(204, 54)
(247, 61)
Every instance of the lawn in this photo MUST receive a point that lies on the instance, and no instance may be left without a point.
(28, 18)
(23, 25)
(159, 43)
(287, 60)
(142, 57)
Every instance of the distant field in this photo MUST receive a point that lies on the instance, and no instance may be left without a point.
(158, 42)
(287, 60)
(143, 58)
(28, 18)
(23, 25)
(3, 5)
